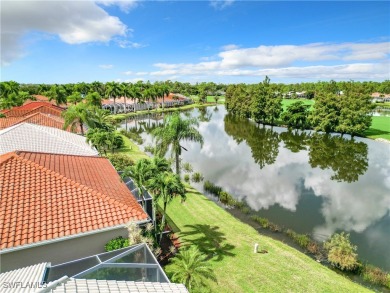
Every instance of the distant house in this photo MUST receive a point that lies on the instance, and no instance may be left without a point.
(37, 138)
(379, 97)
(132, 269)
(60, 207)
(120, 105)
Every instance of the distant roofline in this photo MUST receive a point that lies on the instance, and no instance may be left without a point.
(59, 239)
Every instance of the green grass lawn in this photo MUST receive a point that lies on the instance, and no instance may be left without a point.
(380, 128)
(210, 99)
(288, 102)
(131, 149)
(229, 243)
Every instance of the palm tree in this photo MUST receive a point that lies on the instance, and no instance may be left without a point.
(74, 98)
(175, 130)
(57, 93)
(135, 94)
(126, 91)
(140, 173)
(190, 268)
(76, 115)
(165, 92)
(113, 91)
(166, 186)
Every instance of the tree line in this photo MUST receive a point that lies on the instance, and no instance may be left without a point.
(346, 113)
(14, 94)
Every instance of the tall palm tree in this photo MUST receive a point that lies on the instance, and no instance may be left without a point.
(140, 173)
(126, 91)
(190, 268)
(113, 91)
(76, 115)
(166, 186)
(164, 92)
(57, 93)
(175, 130)
(135, 94)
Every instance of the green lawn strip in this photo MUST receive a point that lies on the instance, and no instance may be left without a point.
(380, 128)
(288, 102)
(131, 149)
(229, 243)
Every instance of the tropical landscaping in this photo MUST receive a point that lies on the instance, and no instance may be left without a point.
(216, 249)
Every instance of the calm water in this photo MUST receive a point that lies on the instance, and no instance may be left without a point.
(314, 184)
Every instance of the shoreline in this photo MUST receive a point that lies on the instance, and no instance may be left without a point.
(239, 220)
(122, 116)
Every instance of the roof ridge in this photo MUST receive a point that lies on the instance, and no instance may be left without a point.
(5, 130)
(45, 129)
(70, 155)
(78, 184)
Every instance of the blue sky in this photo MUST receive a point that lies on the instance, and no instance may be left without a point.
(193, 41)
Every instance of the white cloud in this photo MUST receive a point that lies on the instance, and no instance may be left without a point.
(221, 4)
(142, 73)
(126, 44)
(74, 22)
(229, 47)
(106, 66)
(285, 61)
(128, 73)
(124, 5)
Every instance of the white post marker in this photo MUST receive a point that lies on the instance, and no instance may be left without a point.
(256, 247)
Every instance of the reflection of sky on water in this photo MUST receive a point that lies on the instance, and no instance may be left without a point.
(361, 208)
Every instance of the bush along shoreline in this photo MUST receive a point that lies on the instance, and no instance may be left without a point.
(337, 252)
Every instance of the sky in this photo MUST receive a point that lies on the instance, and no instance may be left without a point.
(194, 41)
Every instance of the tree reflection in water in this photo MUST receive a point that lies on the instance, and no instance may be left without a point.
(347, 158)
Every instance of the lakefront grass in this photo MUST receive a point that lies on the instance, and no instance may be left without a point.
(380, 128)
(229, 245)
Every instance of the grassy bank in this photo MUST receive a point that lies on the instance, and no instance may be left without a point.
(229, 243)
(380, 128)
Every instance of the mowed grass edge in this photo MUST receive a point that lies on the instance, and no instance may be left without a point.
(229, 244)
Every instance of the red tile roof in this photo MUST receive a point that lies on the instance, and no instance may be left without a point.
(33, 107)
(48, 196)
(36, 118)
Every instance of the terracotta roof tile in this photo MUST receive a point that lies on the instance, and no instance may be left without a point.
(34, 107)
(36, 118)
(42, 201)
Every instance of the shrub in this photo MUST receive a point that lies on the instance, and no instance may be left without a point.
(150, 149)
(262, 221)
(187, 178)
(120, 161)
(135, 136)
(274, 228)
(245, 210)
(301, 239)
(341, 252)
(314, 248)
(187, 167)
(227, 198)
(212, 188)
(240, 205)
(376, 276)
(197, 177)
(116, 243)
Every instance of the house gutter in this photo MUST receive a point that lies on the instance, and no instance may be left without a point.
(45, 242)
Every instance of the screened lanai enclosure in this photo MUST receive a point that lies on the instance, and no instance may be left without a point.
(130, 107)
(136, 263)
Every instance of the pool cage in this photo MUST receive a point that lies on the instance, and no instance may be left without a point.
(136, 263)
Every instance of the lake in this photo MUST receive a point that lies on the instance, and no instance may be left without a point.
(312, 183)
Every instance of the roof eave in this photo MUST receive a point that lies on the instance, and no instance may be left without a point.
(59, 239)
